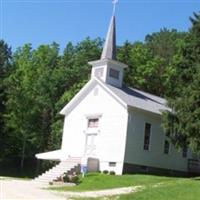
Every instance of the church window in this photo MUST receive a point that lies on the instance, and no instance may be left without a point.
(184, 152)
(166, 147)
(99, 72)
(147, 133)
(112, 164)
(114, 73)
(93, 123)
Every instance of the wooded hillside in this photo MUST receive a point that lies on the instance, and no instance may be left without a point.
(35, 84)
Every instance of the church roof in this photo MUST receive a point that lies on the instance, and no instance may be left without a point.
(140, 99)
(128, 97)
(109, 50)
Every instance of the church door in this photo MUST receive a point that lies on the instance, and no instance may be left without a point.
(90, 147)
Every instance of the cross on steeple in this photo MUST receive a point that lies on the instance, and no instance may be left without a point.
(114, 6)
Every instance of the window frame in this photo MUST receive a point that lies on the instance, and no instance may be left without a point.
(114, 73)
(149, 136)
(166, 153)
(112, 164)
(99, 72)
(95, 121)
(185, 152)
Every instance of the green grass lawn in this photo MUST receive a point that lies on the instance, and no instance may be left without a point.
(97, 181)
(177, 190)
(173, 190)
(155, 187)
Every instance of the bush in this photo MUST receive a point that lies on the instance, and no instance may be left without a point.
(105, 171)
(71, 178)
(112, 173)
(58, 179)
(66, 178)
(75, 179)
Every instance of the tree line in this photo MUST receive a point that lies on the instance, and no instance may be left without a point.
(36, 83)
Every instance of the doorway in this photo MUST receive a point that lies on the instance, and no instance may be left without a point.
(90, 146)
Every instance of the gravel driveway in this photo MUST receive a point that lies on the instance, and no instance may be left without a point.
(21, 190)
(11, 189)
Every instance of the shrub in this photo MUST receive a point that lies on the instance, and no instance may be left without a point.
(112, 173)
(66, 178)
(58, 179)
(75, 179)
(105, 171)
(71, 178)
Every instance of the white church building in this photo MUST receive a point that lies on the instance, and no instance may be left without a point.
(118, 126)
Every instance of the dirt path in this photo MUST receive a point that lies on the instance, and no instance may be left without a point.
(103, 193)
(25, 190)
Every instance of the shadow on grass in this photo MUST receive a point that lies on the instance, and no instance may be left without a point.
(196, 178)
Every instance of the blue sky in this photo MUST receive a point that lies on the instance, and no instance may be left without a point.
(44, 21)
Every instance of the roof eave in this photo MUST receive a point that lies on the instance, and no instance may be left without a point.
(106, 61)
(69, 104)
(131, 108)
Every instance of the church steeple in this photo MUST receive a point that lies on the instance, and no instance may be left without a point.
(109, 50)
(108, 69)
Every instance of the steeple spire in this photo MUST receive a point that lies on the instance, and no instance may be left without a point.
(108, 69)
(109, 50)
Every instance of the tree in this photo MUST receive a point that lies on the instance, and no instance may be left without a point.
(183, 124)
(19, 99)
(165, 43)
(31, 97)
(151, 63)
(36, 88)
(5, 69)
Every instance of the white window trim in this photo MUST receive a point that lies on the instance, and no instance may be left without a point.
(112, 164)
(102, 72)
(94, 130)
(93, 116)
(93, 123)
(115, 71)
(169, 152)
(150, 138)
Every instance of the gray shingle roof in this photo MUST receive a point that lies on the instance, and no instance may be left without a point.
(139, 99)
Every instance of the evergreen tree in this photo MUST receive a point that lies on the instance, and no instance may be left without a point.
(183, 123)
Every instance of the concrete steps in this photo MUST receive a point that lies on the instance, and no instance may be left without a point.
(63, 167)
